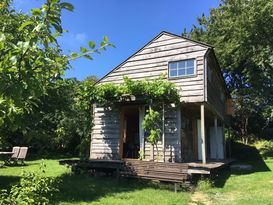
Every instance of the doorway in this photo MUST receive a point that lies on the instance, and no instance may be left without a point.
(131, 139)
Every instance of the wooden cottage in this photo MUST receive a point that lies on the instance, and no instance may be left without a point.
(193, 131)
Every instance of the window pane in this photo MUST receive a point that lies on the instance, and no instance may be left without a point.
(181, 72)
(190, 71)
(173, 73)
(182, 68)
(190, 63)
(173, 65)
(182, 64)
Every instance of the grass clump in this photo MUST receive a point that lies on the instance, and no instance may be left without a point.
(204, 184)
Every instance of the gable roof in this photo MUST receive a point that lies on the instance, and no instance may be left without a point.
(155, 38)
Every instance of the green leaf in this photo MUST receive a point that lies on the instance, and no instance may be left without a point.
(84, 50)
(111, 45)
(27, 23)
(23, 45)
(91, 44)
(36, 11)
(74, 55)
(88, 57)
(2, 37)
(105, 39)
(67, 6)
(38, 27)
(13, 60)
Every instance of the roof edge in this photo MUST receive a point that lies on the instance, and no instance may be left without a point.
(195, 41)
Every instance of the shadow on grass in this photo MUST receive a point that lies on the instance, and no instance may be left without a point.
(7, 181)
(86, 188)
(50, 156)
(245, 155)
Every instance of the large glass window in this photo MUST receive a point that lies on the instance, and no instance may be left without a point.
(182, 68)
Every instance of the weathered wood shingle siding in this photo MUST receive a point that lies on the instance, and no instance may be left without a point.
(152, 61)
(215, 88)
(172, 138)
(105, 133)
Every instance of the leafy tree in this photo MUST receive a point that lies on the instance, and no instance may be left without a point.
(38, 107)
(31, 58)
(241, 33)
(60, 123)
(84, 112)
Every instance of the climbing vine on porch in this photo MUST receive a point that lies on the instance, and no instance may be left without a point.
(154, 93)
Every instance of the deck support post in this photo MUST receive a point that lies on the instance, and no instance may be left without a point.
(229, 143)
(203, 133)
(163, 131)
(151, 146)
(141, 131)
(216, 135)
(224, 141)
(175, 187)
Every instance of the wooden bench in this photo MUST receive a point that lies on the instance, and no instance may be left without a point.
(161, 171)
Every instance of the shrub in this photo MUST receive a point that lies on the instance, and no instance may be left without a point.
(265, 148)
(33, 188)
(204, 184)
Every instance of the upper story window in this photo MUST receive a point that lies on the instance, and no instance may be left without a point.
(182, 68)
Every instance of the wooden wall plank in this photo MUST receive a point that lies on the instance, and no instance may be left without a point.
(105, 136)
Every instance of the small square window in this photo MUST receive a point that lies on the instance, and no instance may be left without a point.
(182, 68)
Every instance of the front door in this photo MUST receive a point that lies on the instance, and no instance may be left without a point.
(132, 133)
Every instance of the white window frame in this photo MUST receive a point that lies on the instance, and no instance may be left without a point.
(182, 76)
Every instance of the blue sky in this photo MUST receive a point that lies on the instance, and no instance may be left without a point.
(129, 24)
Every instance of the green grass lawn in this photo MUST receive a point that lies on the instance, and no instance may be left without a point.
(249, 187)
(84, 189)
(241, 187)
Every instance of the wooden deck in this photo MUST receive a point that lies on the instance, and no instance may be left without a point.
(197, 167)
(160, 171)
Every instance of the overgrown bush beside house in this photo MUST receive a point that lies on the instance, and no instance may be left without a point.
(33, 188)
(265, 148)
